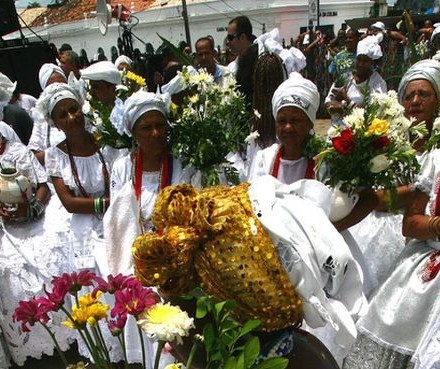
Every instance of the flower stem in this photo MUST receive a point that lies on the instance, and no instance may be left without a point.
(191, 355)
(57, 346)
(104, 346)
(121, 339)
(160, 346)
(141, 337)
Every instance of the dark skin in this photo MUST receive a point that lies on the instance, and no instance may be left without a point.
(68, 117)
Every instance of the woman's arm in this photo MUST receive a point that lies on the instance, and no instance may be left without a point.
(415, 223)
(366, 204)
(404, 196)
(76, 204)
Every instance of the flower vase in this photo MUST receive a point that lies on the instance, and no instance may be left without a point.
(14, 187)
(341, 203)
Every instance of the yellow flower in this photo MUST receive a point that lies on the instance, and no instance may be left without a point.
(194, 98)
(378, 127)
(90, 311)
(136, 78)
(174, 366)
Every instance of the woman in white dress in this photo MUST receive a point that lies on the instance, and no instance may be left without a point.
(79, 170)
(380, 234)
(30, 255)
(136, 180)
(43, 135)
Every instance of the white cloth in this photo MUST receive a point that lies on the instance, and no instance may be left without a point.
(405, 307)
(141, 102)
(370, 47)
(289, 170)
(26, 102)
(102, 71)
(314, 255)
(298, 92)
(375, 84)
(46, 71)
(7, 87)
(7, 132)
(123, 59)
(43, 135)
(31, 254)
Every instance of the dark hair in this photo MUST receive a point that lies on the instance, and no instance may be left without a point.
(243, 26)
(65, 47)
(208, 39)
(354, 31)
(73, 57)
(268, 75)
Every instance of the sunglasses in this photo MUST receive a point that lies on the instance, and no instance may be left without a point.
(231, 37)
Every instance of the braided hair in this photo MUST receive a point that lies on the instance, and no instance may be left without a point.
(268, 75)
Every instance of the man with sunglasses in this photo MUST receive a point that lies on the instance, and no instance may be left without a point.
(240, 41)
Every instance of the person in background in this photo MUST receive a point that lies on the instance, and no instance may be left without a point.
(206, 58)
(123, 62)
(24, 101)
(70, 63)
(240, 41)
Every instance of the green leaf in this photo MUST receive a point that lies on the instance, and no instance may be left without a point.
(182, 57)
(208, 336)
(249, 326)
(231, 363)
(273, 363)
(202, 307)
(251, 352)
(223, 308)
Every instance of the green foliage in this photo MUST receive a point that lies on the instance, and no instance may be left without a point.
(229, 344)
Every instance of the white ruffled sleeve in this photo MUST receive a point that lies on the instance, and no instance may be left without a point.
(424, 181)
(52, 162)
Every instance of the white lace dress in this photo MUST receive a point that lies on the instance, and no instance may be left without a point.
(30, 254)
(404, 310)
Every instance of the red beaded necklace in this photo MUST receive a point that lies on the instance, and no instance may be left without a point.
(310, 171)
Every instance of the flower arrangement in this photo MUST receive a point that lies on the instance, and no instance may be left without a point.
(107, 122)
(131, 83)
(89, 314)
(212, 124)
(371, 150)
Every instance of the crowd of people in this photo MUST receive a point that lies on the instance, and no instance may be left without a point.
(369, 282)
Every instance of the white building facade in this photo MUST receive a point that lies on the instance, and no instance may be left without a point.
(205, 18)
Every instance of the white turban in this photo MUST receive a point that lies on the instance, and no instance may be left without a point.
(7, 87)
(141, 102)
(298, 92)
(370, 47)
(46, 71)
(436, 31)
(293, 58)
(379, 26)
(53, 94)
(102, 71)
(427, 69)
(123, 59)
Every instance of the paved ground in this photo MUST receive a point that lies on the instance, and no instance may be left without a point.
(321, 126)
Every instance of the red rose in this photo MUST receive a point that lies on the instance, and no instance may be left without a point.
(344, 143)
(381, 141)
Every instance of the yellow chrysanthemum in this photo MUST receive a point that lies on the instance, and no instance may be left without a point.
(174, 366)
(194, 98)
(135, 78)
(89, 311)
(378, 127)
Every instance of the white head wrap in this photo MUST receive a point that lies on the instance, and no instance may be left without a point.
(427, 69)
(379, 25)
(102, 71)
(436, 31)
(293, 58)
(53, 94)
(123, 59)
(141, 102)
(298, 92)
(370, 47)
(46, 71)
(7, 87)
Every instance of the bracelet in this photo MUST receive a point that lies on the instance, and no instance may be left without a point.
(35, 209)
(433, 223)
(98, 205)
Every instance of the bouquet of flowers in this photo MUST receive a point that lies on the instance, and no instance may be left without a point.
(89, 315)
(212, 124)
(371, 150)
(131, 83)
(106, 121)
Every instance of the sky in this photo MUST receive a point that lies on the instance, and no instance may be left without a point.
(23, 3)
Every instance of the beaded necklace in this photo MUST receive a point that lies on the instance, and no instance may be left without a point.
(310, 171)
(74, 169)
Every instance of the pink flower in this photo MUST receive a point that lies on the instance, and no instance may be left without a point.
(114, 283)
(134, 300)
(30, 312)
(73, 282)
(117, 325)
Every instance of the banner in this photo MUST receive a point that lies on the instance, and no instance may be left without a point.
(313, 10)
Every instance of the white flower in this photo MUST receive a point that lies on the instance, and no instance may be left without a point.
(166, 322)
(332, 132)
(257, 114)
(436, 124)
(86, 108)
(379, 163)
(252, 137)
(356, 119)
